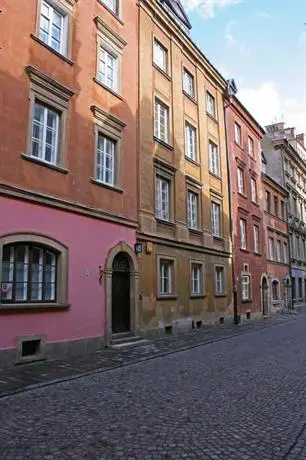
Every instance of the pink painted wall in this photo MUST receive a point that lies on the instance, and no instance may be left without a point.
(89, 241)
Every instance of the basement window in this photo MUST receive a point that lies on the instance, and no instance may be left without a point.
(30, 348)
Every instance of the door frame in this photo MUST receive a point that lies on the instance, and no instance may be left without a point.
(264, 276)
(134, 289)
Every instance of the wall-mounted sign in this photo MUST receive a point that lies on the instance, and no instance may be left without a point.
(138, 248)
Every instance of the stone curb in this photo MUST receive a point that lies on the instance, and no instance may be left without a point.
(35, 386)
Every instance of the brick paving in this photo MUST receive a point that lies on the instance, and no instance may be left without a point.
(27, 376)
(243, 398)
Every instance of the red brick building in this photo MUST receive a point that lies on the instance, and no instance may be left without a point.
(68, 162)
(249, 261)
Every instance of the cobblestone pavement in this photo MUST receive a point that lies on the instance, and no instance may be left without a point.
(27, 376)
(238, 399)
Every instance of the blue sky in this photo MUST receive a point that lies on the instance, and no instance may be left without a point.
(262, 45)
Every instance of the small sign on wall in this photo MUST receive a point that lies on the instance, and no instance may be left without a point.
(138, 248)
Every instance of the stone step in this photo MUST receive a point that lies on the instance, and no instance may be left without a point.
(119, 342)
(122, 335)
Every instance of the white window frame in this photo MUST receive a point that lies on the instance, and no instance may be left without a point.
(237, 129)
(211, 105)
(196, 278)
(215, 219)
(240, 180)
(112, 5)
(103, 78)
(190, 142)
(220, 280)
(256, 239)
(271, 248)
(250, 146)
(162, 198)
(101, 167)
(214, 166)
(278, 251)
(160, 50)
(41, 141)
(253, 190)
(285, 252)
(243, 233)
(161, 109)
(193, 210)
(245, 287)
(54, 9)
(188, 83)
(277, 284)
(164, 265)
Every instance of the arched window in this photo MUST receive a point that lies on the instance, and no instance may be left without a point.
(29, 273)
(275, 290)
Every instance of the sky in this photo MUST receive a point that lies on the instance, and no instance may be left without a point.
(262, 45)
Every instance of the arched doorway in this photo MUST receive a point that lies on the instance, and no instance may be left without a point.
(264, 294)
(121, 312)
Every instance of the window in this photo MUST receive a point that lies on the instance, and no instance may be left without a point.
(190, 142)
(268, 201)
(213, 158)
(271, 248)
(211, 105)
(275, 290)
(188, 83)
(106, 160)
(53, 27)
(253, 190)
(215, 219)
(192, 205)
(285, 253)
(256, 239)
(293, 287)
(300, 288)
(237, 134)
(45, 133)
(160, 55)
(276, 206)
(298, 248)
(162, 198)
(282, 207)
(278, 251)
(161, 121)
(240, 177)
(165, 277)
(196, 279)
(243, 236)
(112, 5)
(250, 146)
(219, 281)
(245, 279)
(108, 73)
(29, 274)
(294, 205)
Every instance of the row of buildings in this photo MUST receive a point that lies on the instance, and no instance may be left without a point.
(137, 194)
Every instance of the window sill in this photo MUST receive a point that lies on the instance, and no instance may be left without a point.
(215, 175)
(212, 117)
(194, 162)
(44, 163)
(238, 145)
(64, 58)
(107, 88)
(244, 250)
(218, 238)
(111, 12)
(163, 143)
(167, 296)
(276, 302)
(32, 307)
(110, 187)
(197, 296)
(243, 195)
(192, 99)
(168, 223)
(165, 74)
(258, 254)
(255, 203)
(221, 295)
(247, 301)
(195, 231)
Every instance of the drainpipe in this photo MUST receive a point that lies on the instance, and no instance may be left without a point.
(234, 283)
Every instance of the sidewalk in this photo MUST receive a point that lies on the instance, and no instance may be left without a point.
(28, 376)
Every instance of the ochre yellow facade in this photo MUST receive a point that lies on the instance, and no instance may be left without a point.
(173, 240)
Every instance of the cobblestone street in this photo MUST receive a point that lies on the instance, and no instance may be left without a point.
(240, 398)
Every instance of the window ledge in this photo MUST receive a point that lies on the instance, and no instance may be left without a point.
(255, 203)
(165, 74)
(44, 163)
(247, 301)
(243, 195)
(194, 162)
(215, 175)
(167, 296)
(110, 187)
(192, 99)
(163, 143)
(197, 296)
(238, 145)
(218, 238)
(31, 307)
(195, 231)
(244, 250)
(276, 302)
(60, 55)
(221, 295)
(111, 12)
(258, 254)
(212, 117)
(107, 88)
(168, 223)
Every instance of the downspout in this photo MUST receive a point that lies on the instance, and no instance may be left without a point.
(236, 317)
